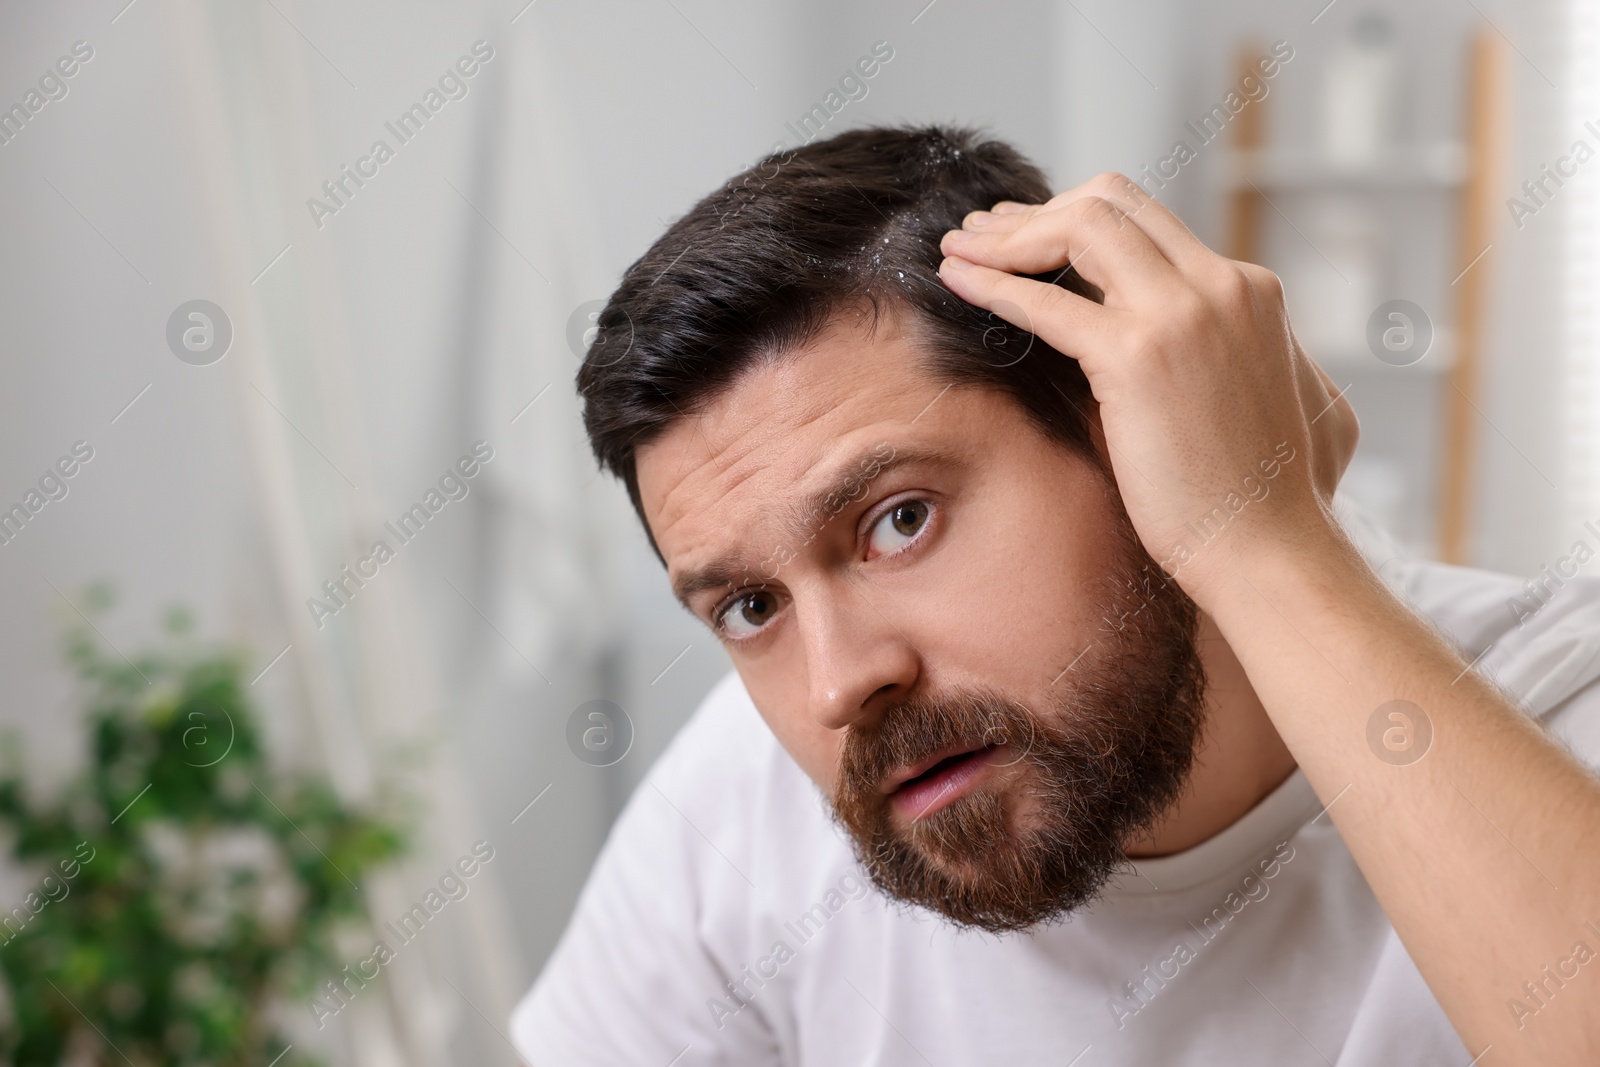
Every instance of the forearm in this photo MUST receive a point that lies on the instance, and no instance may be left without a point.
(1484, 852)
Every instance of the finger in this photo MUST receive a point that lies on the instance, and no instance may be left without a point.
(1268, 289)
(1333, 425)
(1071, 324)
(1328, 384)
(1318, 391)
(1093, 235)
(1334, 406)
(1166, 231)
(995, 222)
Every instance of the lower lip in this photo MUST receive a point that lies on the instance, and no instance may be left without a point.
(929, 795)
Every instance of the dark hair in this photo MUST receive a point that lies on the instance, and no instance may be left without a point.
(760, 266)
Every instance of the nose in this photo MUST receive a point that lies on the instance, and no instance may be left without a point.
(857, 658)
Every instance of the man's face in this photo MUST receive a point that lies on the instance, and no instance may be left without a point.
(940, 614)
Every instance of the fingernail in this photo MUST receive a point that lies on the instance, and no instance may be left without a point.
(979, 218)
(953, 263)
(958, 236)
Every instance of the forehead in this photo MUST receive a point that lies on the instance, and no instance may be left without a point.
(781, 423)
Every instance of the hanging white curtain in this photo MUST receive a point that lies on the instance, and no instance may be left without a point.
(506, 217)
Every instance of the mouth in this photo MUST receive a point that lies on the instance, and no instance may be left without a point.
(920, 791)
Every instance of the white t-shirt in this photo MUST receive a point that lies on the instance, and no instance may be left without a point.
(726, 921)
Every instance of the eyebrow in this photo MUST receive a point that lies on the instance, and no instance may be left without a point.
(807, 517)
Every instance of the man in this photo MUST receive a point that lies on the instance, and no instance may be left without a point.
(1045, 627)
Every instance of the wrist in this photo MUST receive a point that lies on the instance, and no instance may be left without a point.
(1293, 560)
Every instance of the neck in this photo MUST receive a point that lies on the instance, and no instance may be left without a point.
(1239, 760)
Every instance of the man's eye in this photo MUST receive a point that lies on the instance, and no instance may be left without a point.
(748, 614)
(897, 526)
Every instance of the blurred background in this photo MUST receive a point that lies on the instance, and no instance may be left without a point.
(274, 340)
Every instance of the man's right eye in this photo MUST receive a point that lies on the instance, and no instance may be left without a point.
(746, 613)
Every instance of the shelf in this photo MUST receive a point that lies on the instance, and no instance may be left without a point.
(1442, 165)
(1343, 358)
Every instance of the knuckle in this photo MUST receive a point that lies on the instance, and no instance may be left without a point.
(1270, 285)
(1127, 188)
(1111, 181)
(1055, 301)
(1231, 288)
(1236, 289)
(1093, 210)
(1266, 284)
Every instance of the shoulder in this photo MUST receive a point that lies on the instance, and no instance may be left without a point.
(1537, 638)
(724, 745)
(707, 813)
(745, 809)
(723, 832)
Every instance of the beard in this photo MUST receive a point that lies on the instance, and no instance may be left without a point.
(1071, 784)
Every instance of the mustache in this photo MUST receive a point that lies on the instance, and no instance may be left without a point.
(913, 731)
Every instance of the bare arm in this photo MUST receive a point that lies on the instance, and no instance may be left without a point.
(1484, 853)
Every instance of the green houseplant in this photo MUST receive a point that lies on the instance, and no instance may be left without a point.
(189, 889)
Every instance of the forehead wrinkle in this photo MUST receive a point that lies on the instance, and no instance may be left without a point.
(733, 463)
(792, 416)
(800, 516)
(732, 471)
(792, 407)
(687, 466)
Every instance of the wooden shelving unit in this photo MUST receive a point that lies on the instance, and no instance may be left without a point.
(1253, 171)
(1441, 165)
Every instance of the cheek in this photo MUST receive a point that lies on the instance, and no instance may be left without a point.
(1027, 570)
